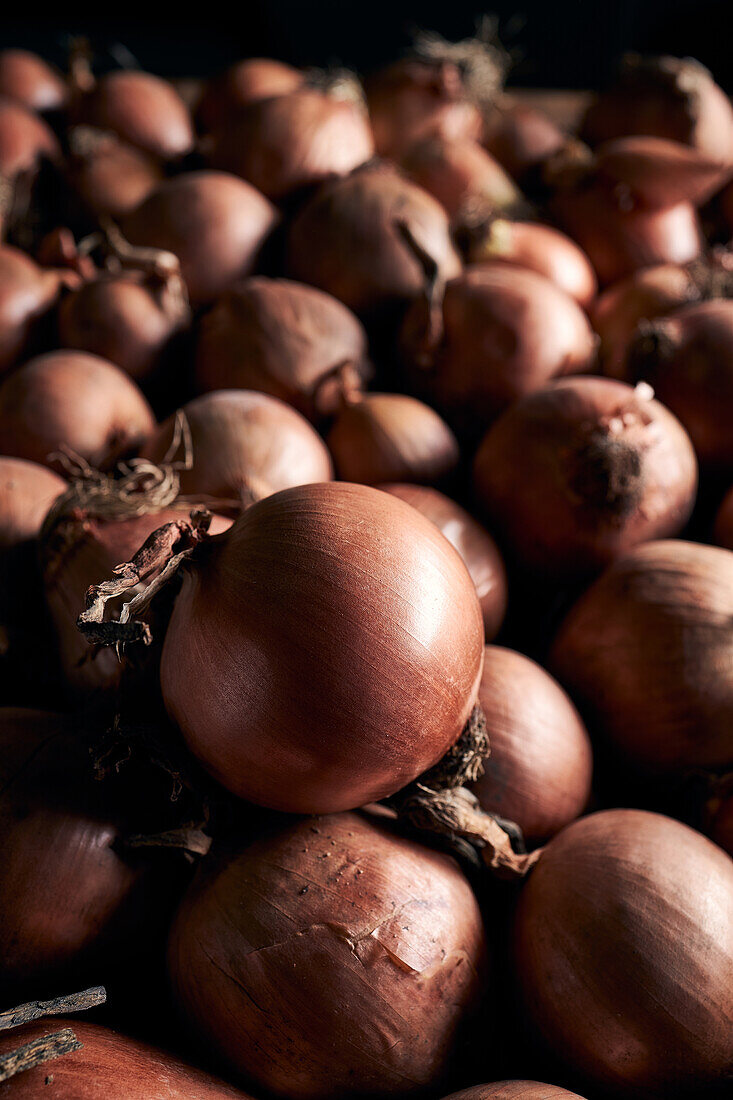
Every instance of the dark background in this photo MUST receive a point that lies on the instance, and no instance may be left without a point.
(556, 43)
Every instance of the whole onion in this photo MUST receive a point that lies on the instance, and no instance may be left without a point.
(539, 248)
(213, 222)
(661, 173)
(109, 177)
(688, 358)
(500, 333)
(244, 446)
(27, 293)
(331, 960)
(472, 541)
(140, 108)
(515, 1090)
(30, 80)
(391, 437)
(25, 140)
(244, 83)
(522, 139)
(122, 1068)
(283, 338)
(646, 654)
(347, 239)
(288, 142)
(538, 773)
(76, 401)
(27, 491)
(624, 952)
(462, 176)
(723, 534)
(578, 473)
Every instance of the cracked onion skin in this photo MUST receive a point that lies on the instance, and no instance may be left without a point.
(332, 960)
(514, 1090)
(624, 954)
(142, 109)
(576, 474)
(244, 83)
(325, 651)
(27, 78)
(646, 653)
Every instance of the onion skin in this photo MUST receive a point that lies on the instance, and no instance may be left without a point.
(515, 1090)
(27, 78)
(282, 338)
(115, 1065)
(472, 541)
(391, 437)
(73, 400)
(143, 110)
(462, 176)
(245, 446)
(538, 773)
(213, 222)
(333, 960)
(522, 138)
(25, 139)
(27, 293)
(371, 623)
(624, 952)
(543, 249)
(27, 491)
(110, 177)
(288, 142)
(244, 83)
(645, 653)
(358, 217)
(661, 173)
(723, 533)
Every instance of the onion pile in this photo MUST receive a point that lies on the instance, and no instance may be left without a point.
(244, 83)
(331, 960)
(140, 108)
(463, 177)
(27, 293)
(27, 78)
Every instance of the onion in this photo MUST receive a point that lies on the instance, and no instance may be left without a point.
(244, 83)
(244, 446)
(359, 218)
(142, 109)
(108, 176)
(515, 1090)
(661, 173)
(27, 293)
(501, 333)
(25, 140)
(333, 960)
(462, 176)
(289, 142)
(27, 78)
(723, 535)
(624, 952)
(214, 223)
(391, 437)
(578, 473)
(473, 543)
(122, 1068)
(27, 491)
(688, 358)
(539, 770)
(664, 97)
(646, 652)
(283, 338)
(522, 139)
(73, 401)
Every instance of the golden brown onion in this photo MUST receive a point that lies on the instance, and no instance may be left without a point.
(27, 491)
(30, 80)
(462, 176)
(27, 293)
(244, 83)
(142, 109)
(543, 249)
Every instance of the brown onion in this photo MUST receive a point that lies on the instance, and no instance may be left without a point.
(522, 139)
(661, 173)
(122, 1068)
(462, 176)
(359, 218)
(142, 109)
(723, 534)
(289, 142)
(244, 446)
(646, 652)
(333, 960)
(539, 248)
(472, 541)
(538, 772)
(500, 333)
(283, 338)
(515, 1090)
(25, 139)
(624, 952)
(30, 80)
(27, 293)
(74, 401)
(578, 473)
(108, 176)
(391, 437)
(27, 491)
(688, 358)
(213, 222)
(244, 83)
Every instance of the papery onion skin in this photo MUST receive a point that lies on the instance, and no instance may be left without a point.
(246, 82)
(327, 651)
(245, 446)
(27, 293)
(515, 1090)
(472, 541)
(624, 952)
(30, 80)
(143, 110)
(288, 142)
(538, 773)
(25, 139)
(646, 653)
(68, 399)
(462, 176)
(27, 491)
(116, 1065)
(213, 222)
(333, 960)
(109, 176)
(576, 474)
(358, 217)
(543, 249)
(723, 532)
(391, 437)
(522, 138)
(283, 338)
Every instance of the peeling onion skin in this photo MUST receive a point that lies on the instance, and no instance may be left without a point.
(391, 437)
(245, 446)
(25, 139)
(213, 222)
(27, 293)
(327, 651)
(624, 952)
(514, 1090)
(522, 138)
(462, 176)
(539, 770)
(723, 532)
(30, 80)
(472, 541)
(578, 473)
(142, 109)
(333, 960)
(109, 1064)
(244, 83)
(74, 400)
(27, 491)
(646, 653)
(283, 338)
